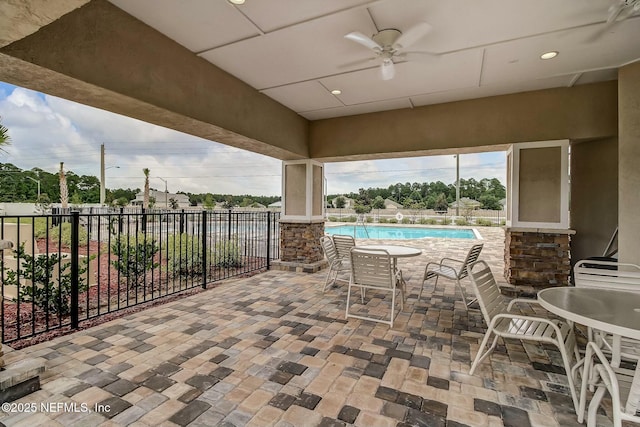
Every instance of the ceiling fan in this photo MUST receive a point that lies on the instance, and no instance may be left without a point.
(618, 12)
(388, 45)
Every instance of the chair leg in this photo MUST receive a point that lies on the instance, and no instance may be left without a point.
(481, 356)
(593, 408)
(569, 372)
(425, 281)
(327, 279)
(348, 299)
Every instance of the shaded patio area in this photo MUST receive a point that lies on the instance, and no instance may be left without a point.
(273, 350)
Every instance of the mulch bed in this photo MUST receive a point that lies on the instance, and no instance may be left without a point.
(109, 294)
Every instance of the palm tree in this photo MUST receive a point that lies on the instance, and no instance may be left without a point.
(145, 201)
(64, 191)
(4, 136)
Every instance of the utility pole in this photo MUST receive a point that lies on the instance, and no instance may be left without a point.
(166, 202)
(102, 186)
(457, 184)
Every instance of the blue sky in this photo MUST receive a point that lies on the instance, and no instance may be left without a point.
(46, 130)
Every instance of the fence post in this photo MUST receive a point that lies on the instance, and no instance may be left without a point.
(268, 240)
(205, 262)
(144, 220)
(229, 226)
(182, 222)
(75, 275)
(120, 220)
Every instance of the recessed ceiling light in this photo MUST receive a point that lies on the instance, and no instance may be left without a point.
(237, 1)
(549, 55)
(336, 92)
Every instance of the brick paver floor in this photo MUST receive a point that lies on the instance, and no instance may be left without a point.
(273, 350)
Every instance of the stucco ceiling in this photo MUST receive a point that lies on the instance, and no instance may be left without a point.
(295, 52)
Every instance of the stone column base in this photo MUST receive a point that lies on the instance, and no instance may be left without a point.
(299, 267)
(535, 259)
(300, 241)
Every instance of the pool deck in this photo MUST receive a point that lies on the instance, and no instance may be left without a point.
(274, 350)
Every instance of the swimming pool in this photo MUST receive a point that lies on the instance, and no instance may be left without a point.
(384, 232)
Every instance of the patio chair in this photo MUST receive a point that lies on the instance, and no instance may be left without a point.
(504, 322)
(336, 265)
(343, 244)
(619, 382)
(592, 273)
(373, 269)
(452, 269)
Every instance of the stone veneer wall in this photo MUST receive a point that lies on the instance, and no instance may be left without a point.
(300, 242)
(535, 260)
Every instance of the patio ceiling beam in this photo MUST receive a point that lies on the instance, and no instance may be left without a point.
(576, 113)
(99, 55)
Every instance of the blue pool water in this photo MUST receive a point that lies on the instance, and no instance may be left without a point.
(383, 232)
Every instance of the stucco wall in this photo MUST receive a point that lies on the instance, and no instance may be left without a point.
(594, 196)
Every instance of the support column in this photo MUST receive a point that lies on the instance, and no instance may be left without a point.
(302, 220)
(537, 235)
(628, 160)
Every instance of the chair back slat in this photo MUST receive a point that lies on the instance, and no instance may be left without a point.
(371, 267)
(491, 301)
(607, 274)
(472, 257)
(329, 249)
(343, 244)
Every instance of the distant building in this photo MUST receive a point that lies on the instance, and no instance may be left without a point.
(466, 203)
(348, 203)
(390, 204)
(163, 200)
(276, 205)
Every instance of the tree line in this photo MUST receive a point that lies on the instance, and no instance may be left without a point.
(17, 185)
(428, 195)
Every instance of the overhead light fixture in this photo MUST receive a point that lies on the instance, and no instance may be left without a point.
(236, 1)
(336, 92)
(549, 55)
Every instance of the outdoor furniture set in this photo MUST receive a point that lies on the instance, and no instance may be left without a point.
(605, 299)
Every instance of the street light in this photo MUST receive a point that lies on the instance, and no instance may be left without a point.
(103, 190)
(166, 202)
(38, 182)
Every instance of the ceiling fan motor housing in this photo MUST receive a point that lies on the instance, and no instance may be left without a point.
(387, 38)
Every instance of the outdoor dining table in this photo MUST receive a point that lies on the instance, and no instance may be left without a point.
(395, 252)
(609, 310)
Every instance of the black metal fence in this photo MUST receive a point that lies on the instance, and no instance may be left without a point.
(69, 268)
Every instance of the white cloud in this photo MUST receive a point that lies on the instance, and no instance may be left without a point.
(46, 130)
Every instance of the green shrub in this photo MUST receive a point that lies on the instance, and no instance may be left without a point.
(445, 221)
(135, 257)
(484, 222)
(227, 254)
(406, 221)
(40, 228)
(351, 218)
(503, 222)
(43, 291)
(383, 220)
(333, 219)
(462, 221)
(55, 232)
(184, 255)
(393, 220)
(369, 219)
(429, 221)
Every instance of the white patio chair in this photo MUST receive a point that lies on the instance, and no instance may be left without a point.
(343, 244)
(452, 269)
(336, 265)
(610, 275)
(373, 269)
(504, 322)
(622, 384)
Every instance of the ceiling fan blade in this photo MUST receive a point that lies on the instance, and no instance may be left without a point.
(356, 63)
(358, 37)
(387, 70)
(417, 55)
(412, 35)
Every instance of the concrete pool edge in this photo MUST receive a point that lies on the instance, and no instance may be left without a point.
(474, 230)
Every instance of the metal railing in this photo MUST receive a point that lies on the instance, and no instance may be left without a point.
(69, 268)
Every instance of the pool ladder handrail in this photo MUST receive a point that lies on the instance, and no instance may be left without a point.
(360, 220)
